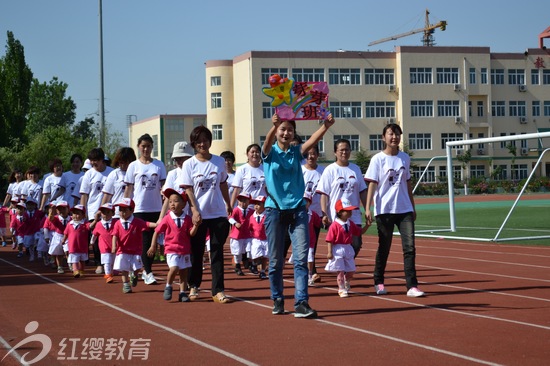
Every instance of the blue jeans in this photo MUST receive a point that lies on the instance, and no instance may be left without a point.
(405, 225)
(299, 234)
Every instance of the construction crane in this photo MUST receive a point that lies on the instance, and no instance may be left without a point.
(427, 40)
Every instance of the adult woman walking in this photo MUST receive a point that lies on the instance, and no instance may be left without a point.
(71, 178)
(342, 179)
(16, 177)
(144, 179)
(249, 177)
(390, 192)
(204, 179)
(286, 211)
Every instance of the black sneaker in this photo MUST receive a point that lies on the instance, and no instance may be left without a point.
(304, 311)
(253, 269)
(239, 271)
(278, 307)
(183, 297)
(167, 293)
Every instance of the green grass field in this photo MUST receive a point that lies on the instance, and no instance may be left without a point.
(483, 220)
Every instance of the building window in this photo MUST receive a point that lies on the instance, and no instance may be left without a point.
(498, 108)
(429, 176)
(344, 76)
(267, 110)
(379, 109)
(422, 108)
(516, 76)
(483, 75)
(447, 75)
(480, 108)
(524, 144)
(517, 109)
(477, 171)
(472, 75)
(155, 152)
(500, 172)
(217, 132)
(503, 143)
(376, 143)
(497, 76)
(215, 100)
(308, 74)
(262, 140)
(448, 108)
(546, 108)
(215, 80)
(353, 140)
(267, 72)
(545, 77)
(345, 109)
(448, 137)
(518, 171)
(457, 173)
(420, 75)
(379, 77)
(535, 108)
(535, 76)
(420, 141)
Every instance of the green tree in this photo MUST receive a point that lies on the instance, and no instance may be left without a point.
(49, 106)
(85, 129)
(362, 159)
(15, 82)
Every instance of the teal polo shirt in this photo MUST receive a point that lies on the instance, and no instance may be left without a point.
(283, 177)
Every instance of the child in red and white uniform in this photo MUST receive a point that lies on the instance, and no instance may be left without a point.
(12, 210)
(77, 234)
(178, 228)
(128, 243)
(30, 241)
(314, 223)
(20, 226)
(258, 242)
(54, 227)
(239, 236)
(3, 212)
(103, 232)
(340, 252)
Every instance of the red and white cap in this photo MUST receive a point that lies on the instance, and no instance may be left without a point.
(126, 202)
(107, 206)
(21, 204)
(170, 191)
(345, 205)
(244, 195)
(258, 199)
(60, 204)
(79, 208)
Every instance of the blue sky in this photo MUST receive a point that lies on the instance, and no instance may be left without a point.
(154, 51)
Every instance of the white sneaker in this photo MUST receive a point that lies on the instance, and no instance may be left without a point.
(415, 292)
(150, 279)
(99, 270)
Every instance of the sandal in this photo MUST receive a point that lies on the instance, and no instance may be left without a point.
(193, 293)
(220, 298)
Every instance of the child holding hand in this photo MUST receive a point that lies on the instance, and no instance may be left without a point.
(104, 233)
(259, 250)
(239, 236)
(77, 234)
(340, 252)
(178, 228)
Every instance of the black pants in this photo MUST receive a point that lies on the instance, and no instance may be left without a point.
(147, 239)
(219, 230)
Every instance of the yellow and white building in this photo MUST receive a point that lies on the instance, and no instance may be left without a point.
(436, 94)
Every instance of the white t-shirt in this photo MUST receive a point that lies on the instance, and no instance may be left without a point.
(171, 179)
(12, 189)
(92, 185)
(51, 186)
(115, 186)
(250, 180)
(311, 179)
(343, 182)
(205, 178)
(391, 172)
(147, 180)
(69, 180)
(30, 189)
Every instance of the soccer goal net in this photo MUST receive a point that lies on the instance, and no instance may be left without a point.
(481, 215)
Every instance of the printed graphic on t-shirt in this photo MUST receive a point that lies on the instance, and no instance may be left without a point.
(150, 182)
(206, 183)
(257, 184)
(395, 176)
(311, 187)
(98, 186)
(346, 185)
(70, 188)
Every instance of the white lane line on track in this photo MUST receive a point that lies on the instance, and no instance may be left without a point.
(14, 353)
(145, 320)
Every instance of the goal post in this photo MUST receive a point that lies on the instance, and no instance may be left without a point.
(468, 142)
